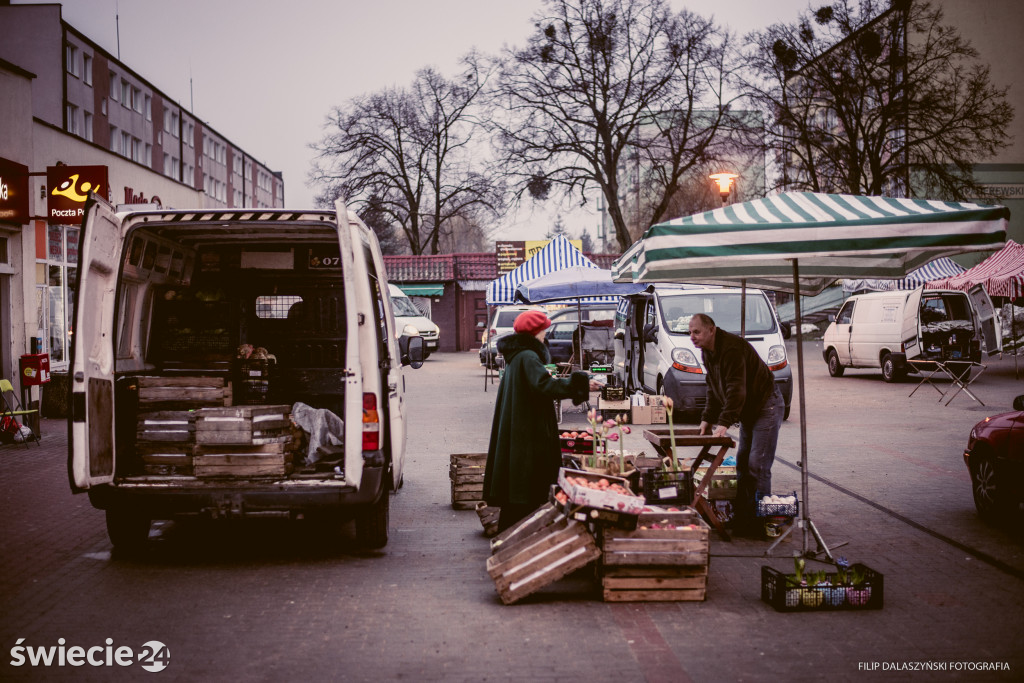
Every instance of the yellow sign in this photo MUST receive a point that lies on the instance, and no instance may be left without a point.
(534, 246)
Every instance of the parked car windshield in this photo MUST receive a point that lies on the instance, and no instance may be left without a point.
(405, 308)
(506, 318)
(724, 309)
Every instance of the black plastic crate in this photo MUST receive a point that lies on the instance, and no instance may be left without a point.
(663, 487)
(252, 381)
(778, 509)
(779, 591)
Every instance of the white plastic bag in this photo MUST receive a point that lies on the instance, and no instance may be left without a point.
(23, 434)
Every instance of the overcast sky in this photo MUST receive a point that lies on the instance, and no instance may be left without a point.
(266, 74)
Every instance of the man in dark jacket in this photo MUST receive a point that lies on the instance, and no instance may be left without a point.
(741, 389)
(524, 454)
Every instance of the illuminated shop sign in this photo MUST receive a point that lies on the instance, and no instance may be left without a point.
(13, 192)
(69, 187)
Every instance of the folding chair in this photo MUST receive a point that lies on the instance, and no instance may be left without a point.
(12, 406)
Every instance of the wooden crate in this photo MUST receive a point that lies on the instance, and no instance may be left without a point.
(488, 518)
(165, 458)
(242, 465)
(546, 515)
(244, 425)
(466, 471)
(165, 426)
(656, 564)
(156, 393)
(528, 562)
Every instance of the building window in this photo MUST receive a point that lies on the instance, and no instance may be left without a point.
(55, 287)
(71, 114)
(126, 94)
(87, 125)
(103, 107)
(174, 124)
(115, 140)
(149, 156)
(137, 103)
(114, 87)
(175, 168)
(87, 69)
(149, 108)
(126, 143)
(71, 60)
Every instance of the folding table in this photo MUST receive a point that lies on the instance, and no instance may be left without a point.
(932, 368)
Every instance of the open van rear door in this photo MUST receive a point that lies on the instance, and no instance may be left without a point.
(91, 458)
(355, 287)
(989, 319)
(910, 331)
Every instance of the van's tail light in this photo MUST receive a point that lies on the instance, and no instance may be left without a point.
(371, 423)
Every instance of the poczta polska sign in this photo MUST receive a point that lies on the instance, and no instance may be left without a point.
(69, 188)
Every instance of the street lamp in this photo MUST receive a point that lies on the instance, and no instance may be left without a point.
(725, 182)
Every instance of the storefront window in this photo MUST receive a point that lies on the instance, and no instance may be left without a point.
(56, 278)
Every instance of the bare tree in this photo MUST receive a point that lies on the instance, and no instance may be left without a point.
(600, 80)
(877, 98)
(410, 151)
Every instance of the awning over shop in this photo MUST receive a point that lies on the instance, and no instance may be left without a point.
(422, 290)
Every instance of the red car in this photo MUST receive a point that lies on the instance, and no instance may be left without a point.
(995, 459)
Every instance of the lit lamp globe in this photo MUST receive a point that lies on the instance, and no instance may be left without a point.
(724, 182)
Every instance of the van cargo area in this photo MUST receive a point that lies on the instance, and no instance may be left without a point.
(205, 385)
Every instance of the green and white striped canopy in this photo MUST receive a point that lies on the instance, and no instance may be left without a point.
(830, 235)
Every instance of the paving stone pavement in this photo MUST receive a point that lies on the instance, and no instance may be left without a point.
(279, 599)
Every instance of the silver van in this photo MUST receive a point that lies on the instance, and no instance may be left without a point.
(229, 362)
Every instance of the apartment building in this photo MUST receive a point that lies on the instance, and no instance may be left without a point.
(70, 109)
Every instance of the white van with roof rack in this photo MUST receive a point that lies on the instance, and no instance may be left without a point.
(232, 362)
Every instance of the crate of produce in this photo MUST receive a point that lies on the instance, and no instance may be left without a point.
(723, 484)
(664, 559)
(167, 459)
(529, 561)
(179, 392)
(244, 425)
(488, 518)
(599, 491)
(777, 506)
(466, 471)
(854, 589)
(591, 515)
(664, 487)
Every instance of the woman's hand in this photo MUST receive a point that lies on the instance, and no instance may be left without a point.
(595, 385)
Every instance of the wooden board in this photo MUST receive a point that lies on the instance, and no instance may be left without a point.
(466, 471)
(654, 584)
(488, 518)
(226, 449)
(543, 516)
(241, 464)
(658, 546)
(691, 595)
(165, 426)
(541, 559)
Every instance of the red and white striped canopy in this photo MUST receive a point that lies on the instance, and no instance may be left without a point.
(1002, 273)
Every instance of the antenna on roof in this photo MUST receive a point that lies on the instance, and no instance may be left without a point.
(117, 27)
(191, 99)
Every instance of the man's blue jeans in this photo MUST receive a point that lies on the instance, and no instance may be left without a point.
(756, 454)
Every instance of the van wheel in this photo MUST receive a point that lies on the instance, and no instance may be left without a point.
(127, 530)
(835, 368)
(889, 372)
(372, 523)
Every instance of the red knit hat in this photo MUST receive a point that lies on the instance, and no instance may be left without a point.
(531, 322)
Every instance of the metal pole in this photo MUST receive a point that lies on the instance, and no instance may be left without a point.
(804, 515)
(743, 307)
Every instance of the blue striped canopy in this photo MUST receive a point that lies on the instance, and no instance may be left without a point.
(939, 269)
(557, 254)
(830, 236)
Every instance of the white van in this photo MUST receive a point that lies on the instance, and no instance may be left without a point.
(884, 329)
(410, 321)
(203, 338)
(653, 351)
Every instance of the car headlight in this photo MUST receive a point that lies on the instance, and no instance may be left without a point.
(410, 331)
(683, 359)
(777, 358)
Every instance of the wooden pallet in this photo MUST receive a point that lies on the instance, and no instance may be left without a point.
(156, 393)
(656, 564)
(488, 518)
(466, 471)
(244, 425)
(528, 562)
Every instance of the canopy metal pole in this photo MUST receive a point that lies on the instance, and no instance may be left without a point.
(806, 525)
(743, 307)
(579, 334)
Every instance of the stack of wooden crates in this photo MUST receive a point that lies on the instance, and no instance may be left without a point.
(186, 426)
(466, 471)
(664, 559)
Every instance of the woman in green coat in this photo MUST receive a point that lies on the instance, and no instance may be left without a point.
(524, 454)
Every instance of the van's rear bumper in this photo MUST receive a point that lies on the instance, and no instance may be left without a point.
(166, 500)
